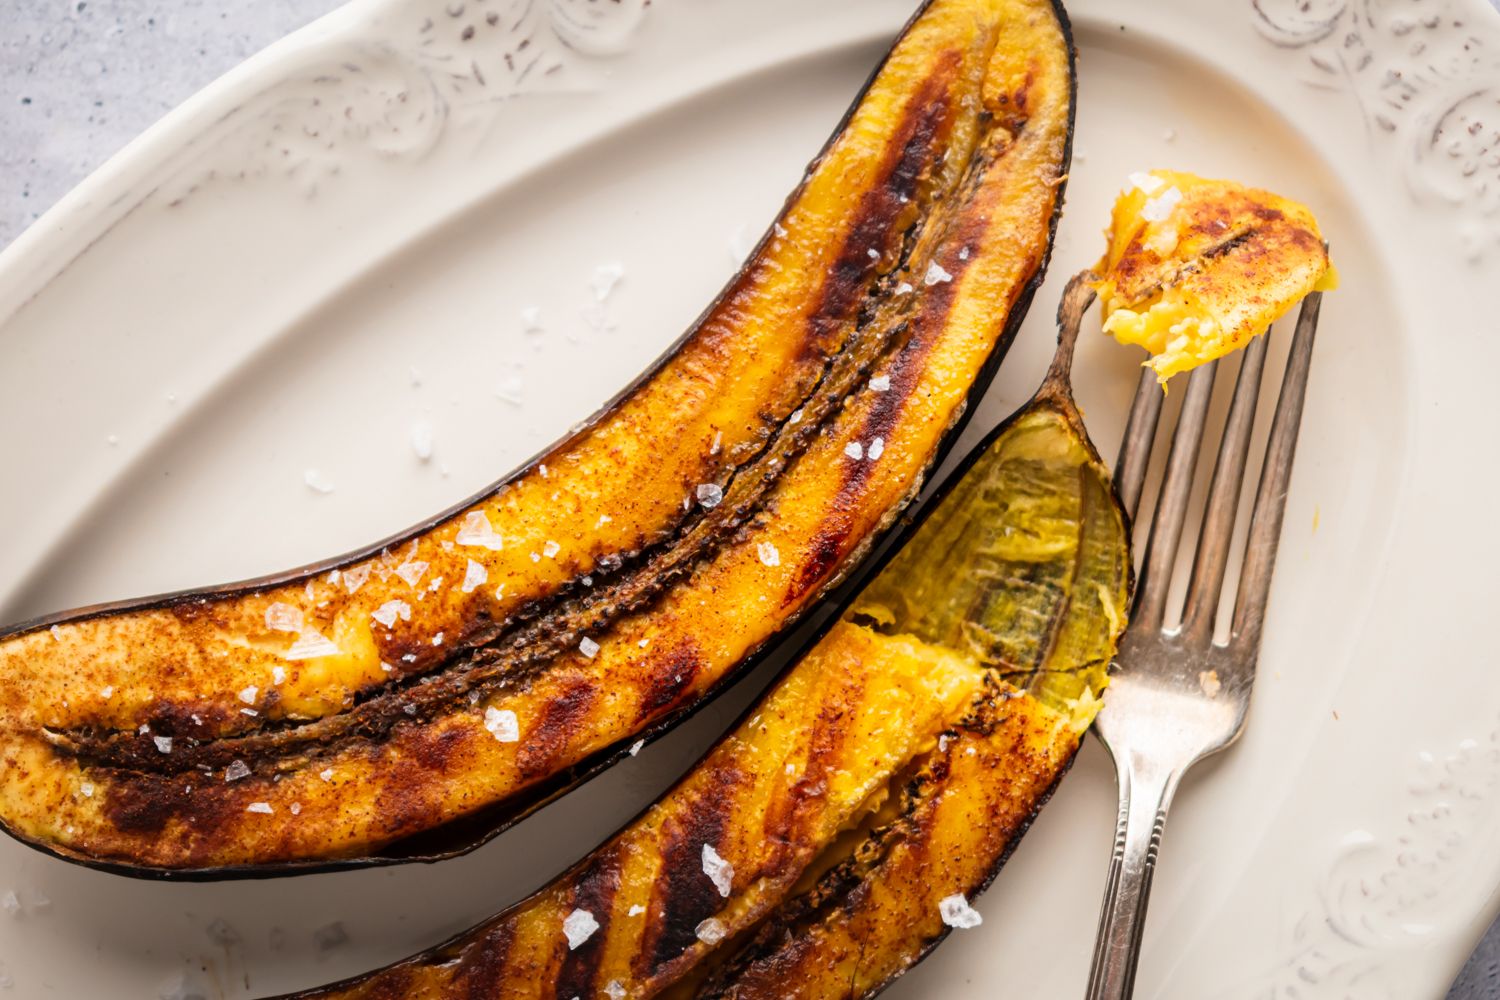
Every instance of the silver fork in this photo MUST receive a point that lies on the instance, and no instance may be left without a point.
(1179, 695)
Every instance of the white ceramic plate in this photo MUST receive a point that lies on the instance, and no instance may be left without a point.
(334, 243)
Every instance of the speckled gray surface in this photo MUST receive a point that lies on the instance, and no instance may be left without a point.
(80, 79)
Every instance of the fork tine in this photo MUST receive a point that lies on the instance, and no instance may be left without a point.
(1171, 505)
(1224, 495)
(1270, 498)
(1135, 448)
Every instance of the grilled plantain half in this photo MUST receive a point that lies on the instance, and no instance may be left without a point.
(409, 701)
(833, 838)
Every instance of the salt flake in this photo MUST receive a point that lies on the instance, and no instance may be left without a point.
(531, 319)
(474, 575)
(876, 449)
(635, 910)
(551, 549)
(355, 577)
(388, 612)
(421, 440)
(614, 990)
(236, 770)
(956, 912)
(588, 647)
(605, 277)
(247, 695)
(1148, 183)
(854, 450)
(578, 927)
(511, 389)
(310, 645)
(880, 383)
(719, 871)
(326, 774)
(635, 747)
(315, 481)
(936, 274)
(411, 571)
(163, 743)
(278, 675)
(502, 724)
(1160, 207)
(475, 529)
(768, 553)
(710, 495)
(260, 807)
(711, 931)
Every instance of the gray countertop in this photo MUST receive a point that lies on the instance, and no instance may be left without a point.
(79, 79)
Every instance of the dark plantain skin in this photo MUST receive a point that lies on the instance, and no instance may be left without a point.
(368, 680)
(882, 773)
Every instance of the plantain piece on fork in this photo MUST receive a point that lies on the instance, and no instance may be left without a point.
(839, 832)
(409, 701)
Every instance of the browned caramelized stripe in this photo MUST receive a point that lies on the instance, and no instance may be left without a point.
(595, 894)
(683, 897)
(560, 719)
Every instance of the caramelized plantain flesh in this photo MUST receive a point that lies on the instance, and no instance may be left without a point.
(1196, 267)
(831, 840)
(412, 700)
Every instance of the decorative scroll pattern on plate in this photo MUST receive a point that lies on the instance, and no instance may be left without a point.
(1426, 74)
(1395, 893)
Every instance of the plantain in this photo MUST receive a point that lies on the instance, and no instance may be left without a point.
(412, 699)
(829, 841)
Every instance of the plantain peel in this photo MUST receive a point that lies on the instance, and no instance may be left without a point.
(1195, 268)
(412, 700)
(830, 841)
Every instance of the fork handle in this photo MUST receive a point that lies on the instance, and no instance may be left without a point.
(1145, 794)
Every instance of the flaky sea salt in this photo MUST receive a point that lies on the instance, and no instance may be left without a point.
(588, 647)
(711, 931)
(719, 871)
(904, 288)
(956, 912)
(284, 618)
(314, 481)
(635, 747)
(880, 383)
(411, 571)
(355, 577)
(710, 495)
(502, 724)
(854, 450)
(474, 575)
(603, 520)
(278, 675)
(247, 694)
(87, 789)
(421, 440)
(511, 388)
(388, 612)
(10, 902)
(578, 927)
(107, 691)
(551, 549)
(296, 808)
(1160, 207)
(635, 910)
(614, 990)
(795, 418)
(437, 640)
(236, 770)
(1148, 183)
(56, 633)
(768, 553)
(260, 807)
(876, 449)
(936, 274)
(475, 529)
(163, 743)
(605, 277)
(531, 319)
(309, 645)
(326, 774)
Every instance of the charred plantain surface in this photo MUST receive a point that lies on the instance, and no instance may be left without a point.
(410, 701)
(812, 853)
